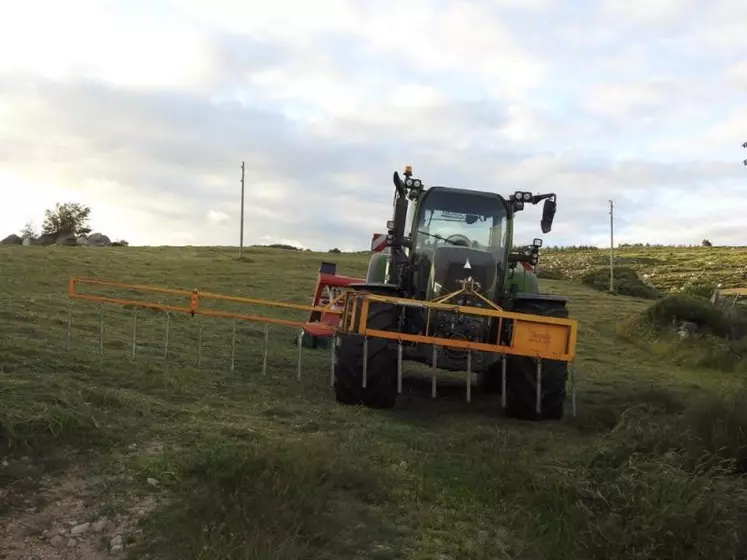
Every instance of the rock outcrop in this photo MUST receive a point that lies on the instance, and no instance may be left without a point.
(46, 239)
(99, 240)
(66, 239)
(12, 239)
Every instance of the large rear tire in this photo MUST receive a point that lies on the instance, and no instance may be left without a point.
(521, 374)
(381, 372)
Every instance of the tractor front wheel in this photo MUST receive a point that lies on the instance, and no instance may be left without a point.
(381, 363)
(521, 378)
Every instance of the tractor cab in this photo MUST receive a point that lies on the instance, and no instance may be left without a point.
(457, 218)
(439, 237)
(458, 234)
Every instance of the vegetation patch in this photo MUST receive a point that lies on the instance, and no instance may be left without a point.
(678, 308)
(719, 424)
(550, 274)
(262, 501)
(626, 282)
(650, 491)
(38, 412)
(691, 331)
(650, 488)
(689, 269)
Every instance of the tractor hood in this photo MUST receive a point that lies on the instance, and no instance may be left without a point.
(452, 264)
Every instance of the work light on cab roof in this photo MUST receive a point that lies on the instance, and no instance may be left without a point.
(414, 186)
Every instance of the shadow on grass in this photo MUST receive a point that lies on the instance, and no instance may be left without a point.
(596, 412)
(416, 404)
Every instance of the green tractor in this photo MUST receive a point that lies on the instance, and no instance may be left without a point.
(439, 238)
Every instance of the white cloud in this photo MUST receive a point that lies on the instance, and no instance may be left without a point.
(101, 40)
(144, 111)
(217, 217)
(738, 75)
(661, 13)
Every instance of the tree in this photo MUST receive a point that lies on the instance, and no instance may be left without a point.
(28, 231)
(69, 217)
(706, 243)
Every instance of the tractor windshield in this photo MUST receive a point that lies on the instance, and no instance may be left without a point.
(461, 218)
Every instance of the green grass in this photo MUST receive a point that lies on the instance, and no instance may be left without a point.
(253, 466)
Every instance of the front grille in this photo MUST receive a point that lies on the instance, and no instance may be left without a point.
(456, 272)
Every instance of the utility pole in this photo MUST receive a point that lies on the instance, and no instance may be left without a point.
(612, 246)
(241, 234)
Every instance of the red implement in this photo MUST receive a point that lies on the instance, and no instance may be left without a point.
(329, 286)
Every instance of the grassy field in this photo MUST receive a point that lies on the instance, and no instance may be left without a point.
(171, 459)
(667, 268)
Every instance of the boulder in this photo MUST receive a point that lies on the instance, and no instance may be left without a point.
(12, 239)
(46, 239)
(687, 329)
(99, 240)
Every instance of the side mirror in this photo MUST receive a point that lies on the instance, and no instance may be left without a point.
(471, 219)
(548, 214)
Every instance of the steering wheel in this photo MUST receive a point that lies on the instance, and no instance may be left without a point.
(461, 240)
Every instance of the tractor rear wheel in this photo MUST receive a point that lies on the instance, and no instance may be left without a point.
(521, 378)
(381, 371)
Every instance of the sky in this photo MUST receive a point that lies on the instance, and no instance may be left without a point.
(144, 111)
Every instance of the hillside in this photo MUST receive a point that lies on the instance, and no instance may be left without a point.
(170, 460)
(667, 268)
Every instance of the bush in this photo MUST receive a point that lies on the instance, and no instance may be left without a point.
(711, 347)
(694, 309)
(626, 282)
(699, 290)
